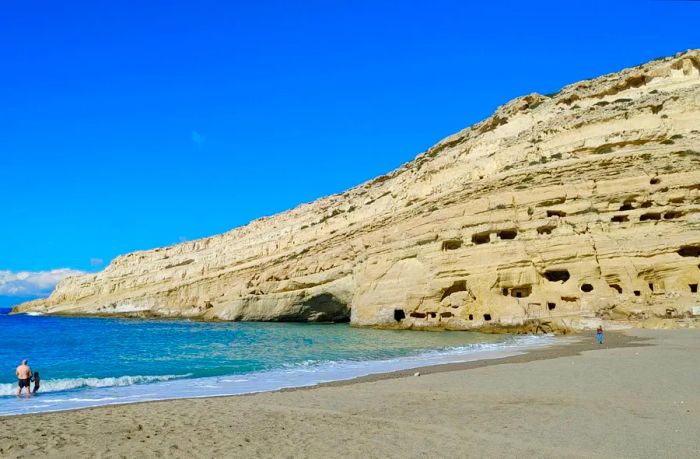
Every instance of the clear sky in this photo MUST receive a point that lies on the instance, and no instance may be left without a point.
(131, 125)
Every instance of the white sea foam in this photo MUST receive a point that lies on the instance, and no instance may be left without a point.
(132, 389)
(59, 385)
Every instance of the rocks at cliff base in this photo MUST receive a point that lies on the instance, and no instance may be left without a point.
(552, 215)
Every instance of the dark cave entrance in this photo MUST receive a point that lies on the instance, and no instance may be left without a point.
(324, 307)
(557, 275)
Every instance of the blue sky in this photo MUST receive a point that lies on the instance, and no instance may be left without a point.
(127, 127)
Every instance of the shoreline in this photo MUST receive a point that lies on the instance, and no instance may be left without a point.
(634, 396)
(566, 346)
(286, 379)
(579, 343)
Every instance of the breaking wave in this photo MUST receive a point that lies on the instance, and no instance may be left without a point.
(58, 385)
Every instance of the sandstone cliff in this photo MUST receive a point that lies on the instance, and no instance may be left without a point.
(552, 214)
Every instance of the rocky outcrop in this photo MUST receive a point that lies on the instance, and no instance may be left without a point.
(552, 214)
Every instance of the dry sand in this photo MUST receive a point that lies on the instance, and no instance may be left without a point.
(638, 395)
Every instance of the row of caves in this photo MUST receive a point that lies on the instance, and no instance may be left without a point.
(400, 314)
(632, 204)
(560, 276)
(692, 288)
(484, 237)
(563, 276)
(480, 238)
(669, 215)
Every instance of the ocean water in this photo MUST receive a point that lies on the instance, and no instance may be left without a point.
(96, 361)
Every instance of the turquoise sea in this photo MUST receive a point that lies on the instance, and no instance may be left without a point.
(97, 361)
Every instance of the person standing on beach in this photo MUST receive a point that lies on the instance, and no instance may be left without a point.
(599, 334)
(24, 377)
(37, 382)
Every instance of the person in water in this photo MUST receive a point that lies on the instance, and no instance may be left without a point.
(24, 376)
(37, 382)
(599, 334)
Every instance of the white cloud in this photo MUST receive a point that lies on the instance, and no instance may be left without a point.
(96, 262)
(198, 138)
(31, 283)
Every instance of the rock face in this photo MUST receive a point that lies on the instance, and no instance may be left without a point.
(552, 214)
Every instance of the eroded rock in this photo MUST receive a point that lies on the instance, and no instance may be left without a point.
(553, 214)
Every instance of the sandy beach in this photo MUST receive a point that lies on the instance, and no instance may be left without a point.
(638, 395)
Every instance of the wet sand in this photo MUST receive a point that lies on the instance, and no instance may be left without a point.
(638, 395)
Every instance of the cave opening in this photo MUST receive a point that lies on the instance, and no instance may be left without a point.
(637, 293)
(586, 288)
(693, 288)
(620, 219)
(689, 251)
(487, 317)
(650, 216)
(457, 286)
(627, 205)
(451, 244)
(521, 292)
(556, 213)
(551, 306)
(324, 307)
(507, 234)
(557, 275)
(399, 315)
(481, 238)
